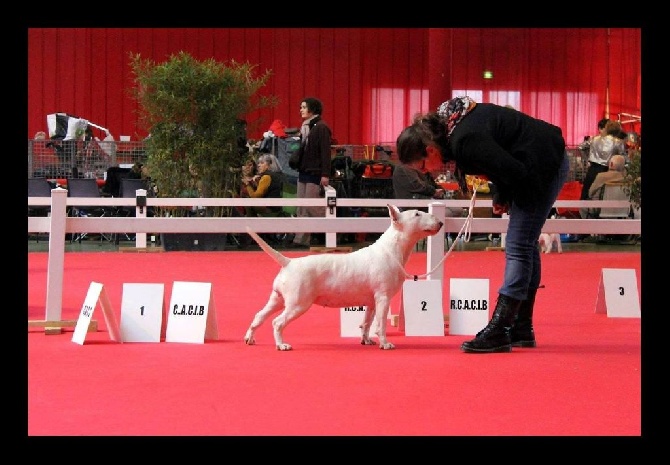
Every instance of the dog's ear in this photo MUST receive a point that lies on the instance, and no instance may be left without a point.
(393, 211)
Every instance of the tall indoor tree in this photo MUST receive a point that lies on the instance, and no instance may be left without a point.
(195, 113)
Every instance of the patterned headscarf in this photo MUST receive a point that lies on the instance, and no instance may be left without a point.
(454, 111)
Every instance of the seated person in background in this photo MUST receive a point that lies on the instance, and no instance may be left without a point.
(411, 180)
(269, 182)
(247, 174)
(136, 171)
(615, 173)
(601, 150)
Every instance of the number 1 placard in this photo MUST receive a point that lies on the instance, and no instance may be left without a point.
(142, 312)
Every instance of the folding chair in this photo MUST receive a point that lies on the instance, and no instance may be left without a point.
(127, 189)
(615, 191)
(39, 187)
(86, 188)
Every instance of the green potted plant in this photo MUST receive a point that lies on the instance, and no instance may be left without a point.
(194, 112)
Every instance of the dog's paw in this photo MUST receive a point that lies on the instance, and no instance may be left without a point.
(284, 346)
(249, 337)
(386, 346)
(368, 342)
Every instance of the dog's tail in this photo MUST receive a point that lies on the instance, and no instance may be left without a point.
(279, 258)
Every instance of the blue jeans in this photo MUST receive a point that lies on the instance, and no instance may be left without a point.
(523, 270)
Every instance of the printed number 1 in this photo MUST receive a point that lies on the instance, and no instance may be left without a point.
(142, 310)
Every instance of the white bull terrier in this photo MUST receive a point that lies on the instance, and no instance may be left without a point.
(369, 277)
(547, 242)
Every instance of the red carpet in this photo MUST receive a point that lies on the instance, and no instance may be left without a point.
(583, 379)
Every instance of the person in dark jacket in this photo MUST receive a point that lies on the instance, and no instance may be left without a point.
(526, 160)
(314, 163)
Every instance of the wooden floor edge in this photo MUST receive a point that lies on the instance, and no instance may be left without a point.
(151, 249)
(50, 325)
(330, 249)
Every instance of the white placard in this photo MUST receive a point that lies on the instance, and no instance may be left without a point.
(422, 307)
(618, 294)
(96, 293)
(191, 314)
(142, 312)
(468, 305)
(351, 319)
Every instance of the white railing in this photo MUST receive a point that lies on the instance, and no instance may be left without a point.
(58, 224)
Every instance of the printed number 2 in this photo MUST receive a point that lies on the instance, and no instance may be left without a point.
(423, 306)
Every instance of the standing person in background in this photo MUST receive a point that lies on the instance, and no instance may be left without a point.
(586, 144)
(526, 159)
(601, 148)
(314, 165)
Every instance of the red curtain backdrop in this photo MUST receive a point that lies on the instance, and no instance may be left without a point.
(371, 81)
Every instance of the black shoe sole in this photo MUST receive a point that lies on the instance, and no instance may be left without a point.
(526, 344)
(488, 350)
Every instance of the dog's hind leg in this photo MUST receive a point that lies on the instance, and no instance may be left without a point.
(273, 305)
(290, 313)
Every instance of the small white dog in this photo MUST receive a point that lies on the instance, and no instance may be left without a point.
(547, 242)
(369, 277)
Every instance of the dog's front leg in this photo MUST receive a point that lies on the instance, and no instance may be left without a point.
(381, 314)
(365, 326)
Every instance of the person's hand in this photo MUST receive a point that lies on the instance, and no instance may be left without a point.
(325, 182)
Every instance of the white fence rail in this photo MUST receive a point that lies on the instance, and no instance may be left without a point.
(58, 224)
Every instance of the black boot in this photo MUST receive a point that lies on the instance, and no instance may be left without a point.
(496, 336)
(522, 333)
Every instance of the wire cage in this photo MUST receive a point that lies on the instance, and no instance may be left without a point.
(62, 159)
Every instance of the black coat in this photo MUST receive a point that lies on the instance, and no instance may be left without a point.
(315, 151)
(518, 153)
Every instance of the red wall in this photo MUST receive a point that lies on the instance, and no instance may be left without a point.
(85, 72)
